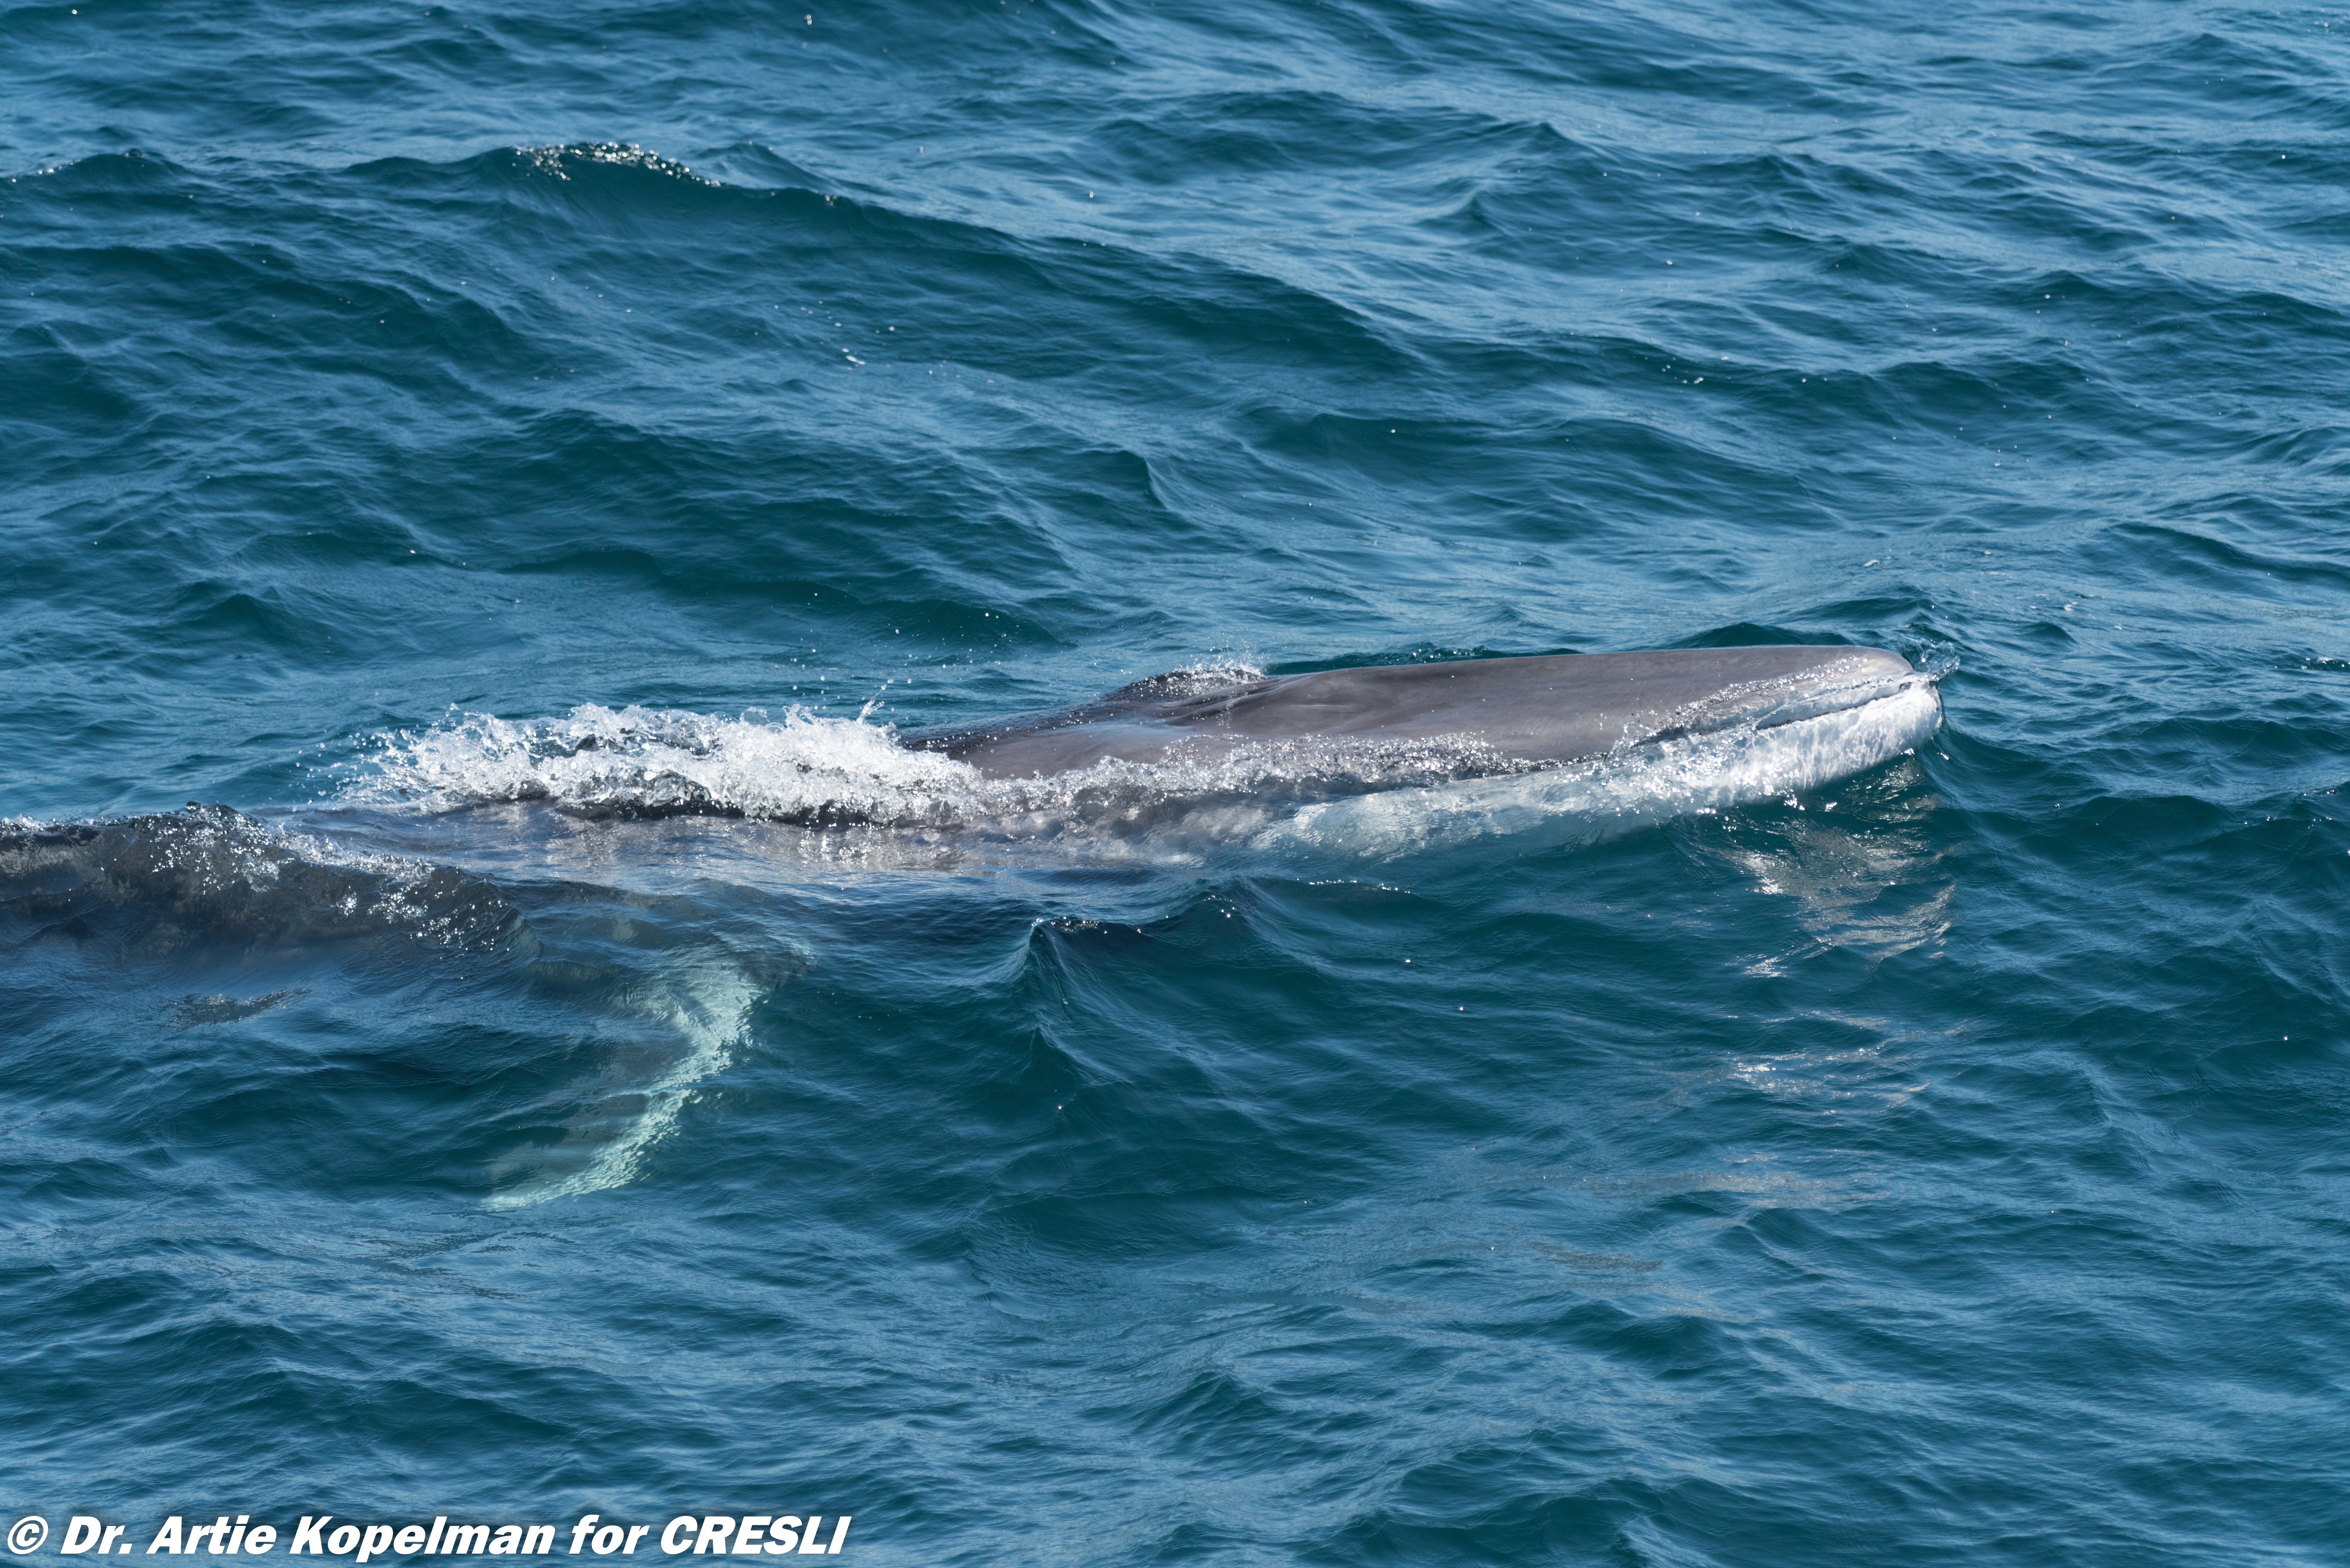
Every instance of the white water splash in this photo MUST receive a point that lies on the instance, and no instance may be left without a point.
(647, 761)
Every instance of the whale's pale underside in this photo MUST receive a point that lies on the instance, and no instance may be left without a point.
(1549, 709)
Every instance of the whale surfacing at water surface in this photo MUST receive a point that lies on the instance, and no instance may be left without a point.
(1531, 711)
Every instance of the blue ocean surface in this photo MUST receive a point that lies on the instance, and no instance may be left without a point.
(496, 1026)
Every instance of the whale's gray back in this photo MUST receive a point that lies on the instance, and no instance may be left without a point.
(1547, 709)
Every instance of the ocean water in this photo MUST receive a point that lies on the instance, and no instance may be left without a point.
(495, 1027)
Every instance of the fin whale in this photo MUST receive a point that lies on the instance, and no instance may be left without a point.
(1523, 712)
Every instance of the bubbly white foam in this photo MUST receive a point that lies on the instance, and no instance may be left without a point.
(647, 761)
(555, 158)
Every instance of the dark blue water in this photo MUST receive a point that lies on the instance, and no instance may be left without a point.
(1945, 1167)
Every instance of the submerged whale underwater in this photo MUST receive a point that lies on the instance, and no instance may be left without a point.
(244, 916)
(1519, 713)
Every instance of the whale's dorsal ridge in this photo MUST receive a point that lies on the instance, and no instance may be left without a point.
(1531, 711)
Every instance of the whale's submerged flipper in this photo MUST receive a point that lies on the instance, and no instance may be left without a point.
(1549, 709)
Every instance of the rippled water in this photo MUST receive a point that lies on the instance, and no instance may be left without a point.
(447, 1116)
